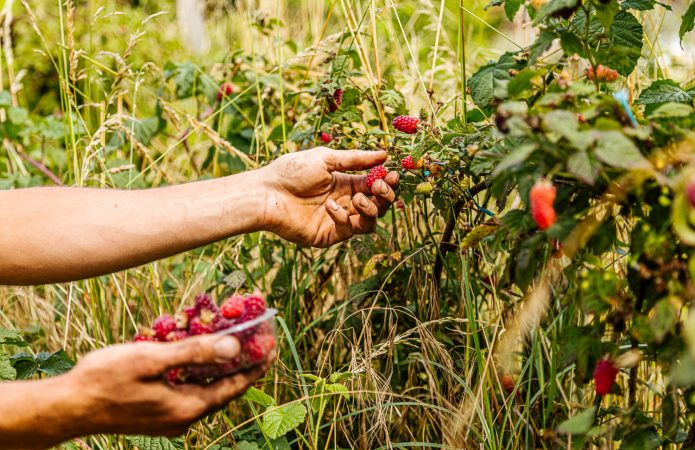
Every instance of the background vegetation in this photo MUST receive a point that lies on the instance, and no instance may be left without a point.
(424, 334)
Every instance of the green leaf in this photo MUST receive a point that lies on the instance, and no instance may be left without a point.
(7, 372)
(578, 424)
(521, 82)
(389, 97)
(543, 42)
(511, 7)
(25, 365)
(5, 98)
(554, 6)
(581, 166)
(246, 445)
(257, 396)
(280, 420)
(616, 150)
(17, 115)
(625, 48)
(11, 337)
(54, 364)
(571, 44)
(491, 80)
(641, 440)
(338, 388)
(154, 443)
(642, 5)
(663, 91)
(688, 22)
(669, 110)
(516, 157)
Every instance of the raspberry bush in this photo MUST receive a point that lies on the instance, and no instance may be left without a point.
(530, 289)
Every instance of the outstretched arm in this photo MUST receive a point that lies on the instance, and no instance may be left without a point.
(62, 233)
(121, 390)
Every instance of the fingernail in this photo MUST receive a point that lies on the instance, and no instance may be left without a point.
(384, 188)
(333, 205)
(226, 348)
(364, 201)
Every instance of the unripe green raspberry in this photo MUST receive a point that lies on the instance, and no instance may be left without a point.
(424, 188)
(424, 114)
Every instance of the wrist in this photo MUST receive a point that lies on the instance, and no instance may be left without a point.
(267, 217)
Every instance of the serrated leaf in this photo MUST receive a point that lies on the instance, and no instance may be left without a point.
(246, 445)
(280, 420)
(391, 98)
(7, 372)
(53, 364)
(625, 48)
(257, 396)
(616, 150)
(578, 424)
(154, 443)
(338, 388)
(11, 337)
(25, 365)
(688, 22)
(663, 91)
(641, 440)
(490, 81)
(17, 115)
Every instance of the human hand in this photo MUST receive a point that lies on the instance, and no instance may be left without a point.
(122, 389)
(311, 201)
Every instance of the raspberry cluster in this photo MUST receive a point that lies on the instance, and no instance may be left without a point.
(603, 74)
(205, 317)
(542, 196)
(408, 163)
(406, 124)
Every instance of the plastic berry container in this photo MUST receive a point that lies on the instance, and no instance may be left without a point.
(257, 338)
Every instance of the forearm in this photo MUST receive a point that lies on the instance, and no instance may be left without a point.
(38, 414)
(61, 234)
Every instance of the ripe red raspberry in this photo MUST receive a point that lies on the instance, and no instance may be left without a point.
(406, 124)
(603, 74)
(258, 346)
(163, 325)
(326, 138)
(205, 301)
(144, 335)
(542, 196)
(580, 118)
(254, 306)
(232, 307)
(604, 376)
(376, 173)
(176, 335)
(225, 90)
(335, 100)
(198, 326)
(407, 163)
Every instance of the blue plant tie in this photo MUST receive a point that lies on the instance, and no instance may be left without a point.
(621, 97)
(426, 173)
(486, 211)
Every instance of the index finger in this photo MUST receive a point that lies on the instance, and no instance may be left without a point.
(344, 160)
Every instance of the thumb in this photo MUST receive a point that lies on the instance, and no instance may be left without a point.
(206, 349)
(344, 160)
